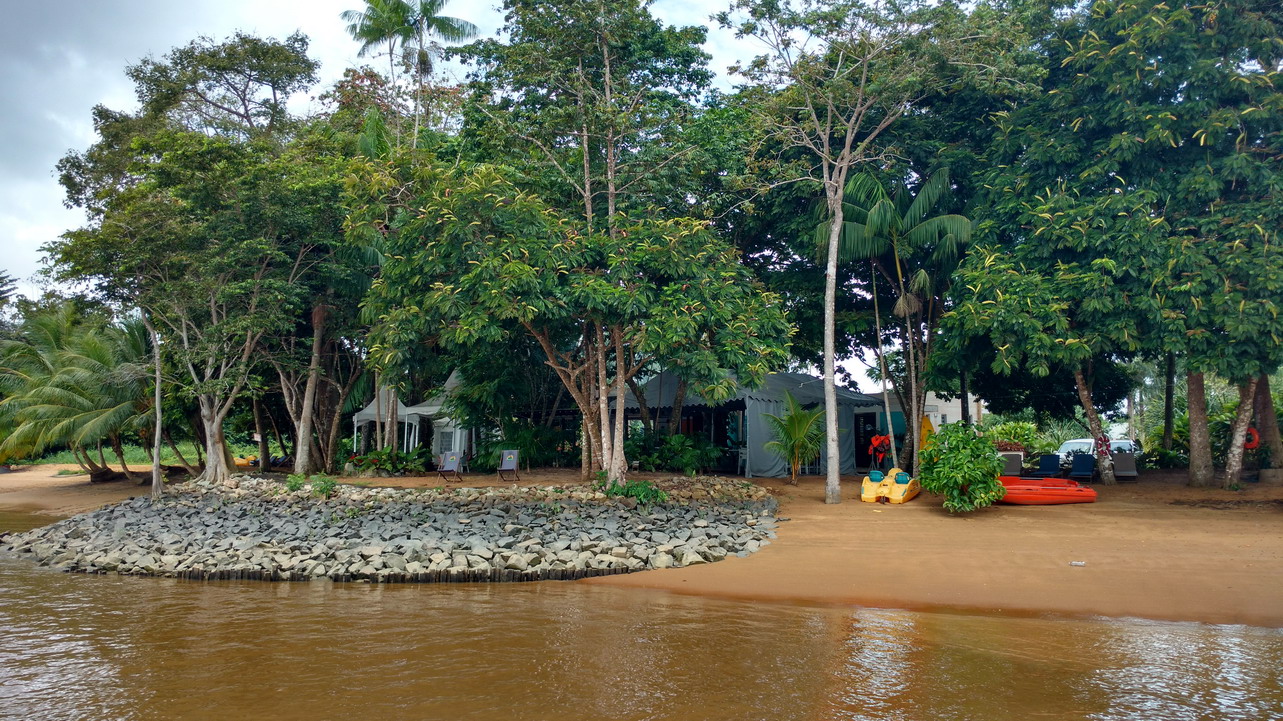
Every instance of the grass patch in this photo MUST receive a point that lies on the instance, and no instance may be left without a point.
(67, 472)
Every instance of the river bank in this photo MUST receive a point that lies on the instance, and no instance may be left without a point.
(1157, 549)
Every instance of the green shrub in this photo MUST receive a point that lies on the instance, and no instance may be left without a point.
(654, 451)
(294, 482)
(1160, 457)
(962, 466)
(645, 492)
(413, 461)
(323, 486)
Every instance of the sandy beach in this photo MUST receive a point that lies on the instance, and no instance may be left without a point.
(1157, 549)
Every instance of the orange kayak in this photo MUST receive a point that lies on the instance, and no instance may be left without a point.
(1044, 491)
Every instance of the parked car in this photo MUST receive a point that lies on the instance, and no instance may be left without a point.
(1085, 445)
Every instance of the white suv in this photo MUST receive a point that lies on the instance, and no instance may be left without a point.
(1085, 445)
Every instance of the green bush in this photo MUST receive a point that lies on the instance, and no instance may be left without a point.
(654, 451)
(324, 486)
(1160, 457)
(294, 482)
(645, 492)
(414, 461)
(1014, 433)
(962, 466)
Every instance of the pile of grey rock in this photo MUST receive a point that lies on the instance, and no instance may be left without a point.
(253, 528)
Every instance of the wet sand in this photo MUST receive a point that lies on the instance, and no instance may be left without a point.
(1157, 549)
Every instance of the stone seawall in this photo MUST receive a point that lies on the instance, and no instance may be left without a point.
(251, 528)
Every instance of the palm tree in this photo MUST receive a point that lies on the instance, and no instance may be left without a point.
(799, 434)
(7, 289)
(381, 22)
(428, 23)
(411, 25)
(74, 384)
(916, 251)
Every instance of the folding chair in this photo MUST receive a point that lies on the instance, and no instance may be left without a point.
(509, 463)
(1011, 464)
(449, 466)
(1083, 468)
(1048, 466)
(1125, 468)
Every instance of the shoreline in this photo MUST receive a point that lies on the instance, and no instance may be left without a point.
(1155, 550)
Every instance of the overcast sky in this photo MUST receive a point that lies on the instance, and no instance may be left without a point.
(59, 58)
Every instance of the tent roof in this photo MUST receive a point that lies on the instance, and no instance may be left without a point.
(807, 389)
(379, 406)
(432, 407)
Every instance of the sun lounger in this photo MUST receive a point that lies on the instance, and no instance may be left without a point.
(1125, 468)
(1011, 464)
(1048, 466)
(508, 464)
(449, 466)
(1083, 467)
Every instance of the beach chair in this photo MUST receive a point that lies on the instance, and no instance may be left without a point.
(1125, 468)
(509, 462)
(1048, 466)
(449, 466)
(1083, 467)
(1012, 464)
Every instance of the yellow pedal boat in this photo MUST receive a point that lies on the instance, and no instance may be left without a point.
(894, 487)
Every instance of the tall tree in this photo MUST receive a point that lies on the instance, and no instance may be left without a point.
(834, 77)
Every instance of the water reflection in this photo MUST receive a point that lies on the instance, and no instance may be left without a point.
(102, 647)
(910, 666)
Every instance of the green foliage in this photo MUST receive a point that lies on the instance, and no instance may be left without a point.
(394, 462)
(323, 486)
(1014, 433)
(656, 451)
(1159, 457)
(962, 466)
(295, 482)
(538, 446)
(799, 434)
(645, 492)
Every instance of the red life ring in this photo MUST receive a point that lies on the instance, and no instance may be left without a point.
(1253, 439)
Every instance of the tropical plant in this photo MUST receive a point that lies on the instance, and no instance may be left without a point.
(916, 250)
(7, 289)
(657, 451)
(323, 486)
(646, 492)
(799, 434)
(963, 466)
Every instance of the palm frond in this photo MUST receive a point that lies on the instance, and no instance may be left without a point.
(932, 190)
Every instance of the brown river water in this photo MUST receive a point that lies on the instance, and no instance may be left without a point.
(109, 647)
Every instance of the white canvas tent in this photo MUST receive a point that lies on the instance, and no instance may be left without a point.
(378, 410)
(448, 436)
(661, 391)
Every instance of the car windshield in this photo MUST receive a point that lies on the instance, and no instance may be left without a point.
(1076, 447)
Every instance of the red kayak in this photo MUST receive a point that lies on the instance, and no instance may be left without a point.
(1044, 491)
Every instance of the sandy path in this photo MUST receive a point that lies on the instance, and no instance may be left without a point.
(39, 489)
(1147, 554)
(1156, 549)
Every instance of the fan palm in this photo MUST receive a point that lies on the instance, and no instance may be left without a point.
(918, 251)
(799, 434)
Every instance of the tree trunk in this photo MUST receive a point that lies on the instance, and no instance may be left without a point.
(1169, 401)
(833, 478)
(217, 469)
(119, 451)
(964, 396)
(303, 461)
(882, 366)
(264, 450)
(1200, 441)
(157, 479)
(1104, 460)
(620, 466)
(1238, 434)
(280, 442)
(192, 470)
(337, 419)
(1267, 423)
(585, 451)
(647, 422)
(675, 414)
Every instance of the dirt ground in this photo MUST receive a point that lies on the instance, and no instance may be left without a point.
(1154, 549)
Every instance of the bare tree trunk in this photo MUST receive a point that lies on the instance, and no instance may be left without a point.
(833, 479)
(675, 414)
(1267, 423)
(264, 450)
(585, 451)
(1200, 441)
(1104, 461)
(619, 468)
(1169, 401)
(1238, 434)
(303, 461)
(119, 450)
(217, 468)
(157, 479)
(603, 406)
(966, 400)
(179, 455)
(647, 422)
